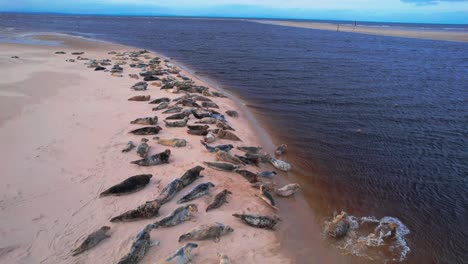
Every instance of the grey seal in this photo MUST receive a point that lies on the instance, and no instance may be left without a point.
(222, 166)
(183, 255)
(160, 100)
(147, 210)
(140, 246)
(227, 157)
(279, 164)
(177, 116)
(209, 105)
(156, 159)
(130, 185)
(267, 174)
(180, 215)
(145, 121)
(143, 148)
(249, 176)
(169, 191)
(179, 123)
(139, 98)
(128, 147)
(228, 135)
(140, 86)
(267, 197)
(197, 192)
(219, 200)
(259, 221)
(253, 150)
(146, 131)
(173, 109)
(232, 113)
(191, 175)
(209, 231)
(225, 148)
(92, 240)
(161, 106)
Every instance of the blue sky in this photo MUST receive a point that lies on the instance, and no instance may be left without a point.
(423, 11)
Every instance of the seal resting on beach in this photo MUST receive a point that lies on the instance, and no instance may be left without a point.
(259, 221)
(140, 246)
(207, 120)
(209, 138)
(253, 150)
(197, 192)
(139, 98)
(288, 190)
(209, 231)
(172, 142)
(147, 210)
(143, 148)
(178, 216)
(130, 185)
(180, 123)
(339, 226)
(160, 100)
(232, 113)
(270, 186)
(92, 240)
(173, 109)
(267, 197)
(222, 166)
(146, 131)
(249, 176)
(267, 174)
(223, 258)
(225, 134)
(140, 86)
(169, 191)
(249, 160)
(191, 175)
(177, 116)
(156, 159)
(224, 125)
(219, 200)
(227, 157)
(151, 121)
(210, 105)
(128, 147)
(182, 256)
(161, 106)
(279, 164)
(225, 148)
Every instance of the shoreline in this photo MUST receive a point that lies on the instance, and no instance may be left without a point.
(237, 104)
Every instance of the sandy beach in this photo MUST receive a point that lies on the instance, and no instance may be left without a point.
(62, 128)
(362, 29)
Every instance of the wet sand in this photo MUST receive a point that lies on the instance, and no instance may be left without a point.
(362, 29)
(62, 128)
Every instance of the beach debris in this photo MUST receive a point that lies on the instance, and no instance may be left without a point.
(140, 86)
(253, 150)
(180, 123)
(249, 176)
(183, 255)
(225, 148)
(143, 148)
(181, 214)
(172, 142)
(220, 199)
(339, 226)
(227, 157)
(267, 197)
(130, 145)
(139, 98)
(152, 130)
(267, 174)
(222, 166)
(259, 221)
(288, 190)
(279, 164)
(232, 113)
(147, 210)
(199, 191)
(208, 231)
(92, 240)
(281, 149)
(156, 159)
(140, 246)
(145, 121)
(130, 185)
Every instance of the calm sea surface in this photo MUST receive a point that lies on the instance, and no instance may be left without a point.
(377, 126)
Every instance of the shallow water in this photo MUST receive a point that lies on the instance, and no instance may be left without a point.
(377, 126)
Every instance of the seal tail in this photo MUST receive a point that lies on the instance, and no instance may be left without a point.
(135, 162)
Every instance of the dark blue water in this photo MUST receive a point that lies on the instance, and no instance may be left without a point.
(377, 126)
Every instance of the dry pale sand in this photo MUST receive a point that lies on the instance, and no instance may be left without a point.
(62, 128)
(394, 32)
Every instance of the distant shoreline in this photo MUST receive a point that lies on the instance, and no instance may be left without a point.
(369, 30)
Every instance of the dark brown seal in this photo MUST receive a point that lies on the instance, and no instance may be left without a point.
(219, 200)
(130, 185)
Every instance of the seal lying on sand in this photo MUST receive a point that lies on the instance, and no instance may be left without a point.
(281, 149)
(227, 157)
(209, 104)
(232, 113)
(143, 148)
(223, 258)
(160, 100)
(130, 185)
(224, 125)
(147, 210)
(128, 147)
(288, 190)
(183, 255)
(191, 175)
(177, 116)
(180, 123)
(270, 186)
(204, 232)
(161, 106)
(249, 176)
(225, 148)
(267, 197)
(253, 150)
(222, 166)
(219, 200)
(180, 215)
(279, 164)
(339, 226)
(209, 138)
(139, 98)
(198, 127)
(225, 134)
(267, 174)
(145, 121)
(172, 142)
(170, 191)
(140, 86)
(156, 159)
(146, 131)
(173, 109)
(140, 246)
(259, 221)
(248, 160)
(206, 120)
(199, 191)
(92, 240)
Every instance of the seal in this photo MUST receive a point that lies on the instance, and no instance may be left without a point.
(224, 125)
(267, 174)
(156, 159)
(140, 86)
(232, 113)
(227, 157)
(197, 192)
(147, 210)
(191, 175)
(288, 190)
(269, 186)
(228, 135)
(249, 176)
(209, 231)
(339, 226)
(279, 164)
(173, 109)
(180, 215)
(206, 120)
(201, 98)
(160, 100)
(183, 255)
(172, 142)
(169, 191)
(219, 200)
(133, 76)
(209, 138)
(281, 149)
(209, 105)
(180, 123)
(217, 94)
(198, 127)
(267, 197)
(143, 148)
(146, 131)
(259, 221)
(145, 121)
(177, 116)
(161, 106)
(223, 258)
(130, 185)
(139, 98)
(225, 148)
(197, 132)
(92, 240)
(253, 150)
(248, 160)
(128, 147)
(222, 166)
(140, 246)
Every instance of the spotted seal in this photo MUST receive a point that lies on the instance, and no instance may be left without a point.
(222, 166)
(172, 142)
(179, 123)
(198, 191)
(206, 120)
(232, 113)
(139, 98)
(146, 131)
(156, 159)
(183, 255)
(288, 190)
(151, 121)
(178, 216)
(173, 109)
(191, 175)
(130, 145)
(228, 135)
(225, 148)
(169, 191)
(143, 148)
(339, 226)
(130, 185)
(161, 106)
(249, 176)
(209, 105)
(140, 246)
(147, 210)
(223, 125)
(259, 221)
(227, 157)
(223, 259)
(279, 164)
(267, 174)
(177, 116)
(92, 240)
(219, 200)
(140, 86)
(209, 231)
(160, 100)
